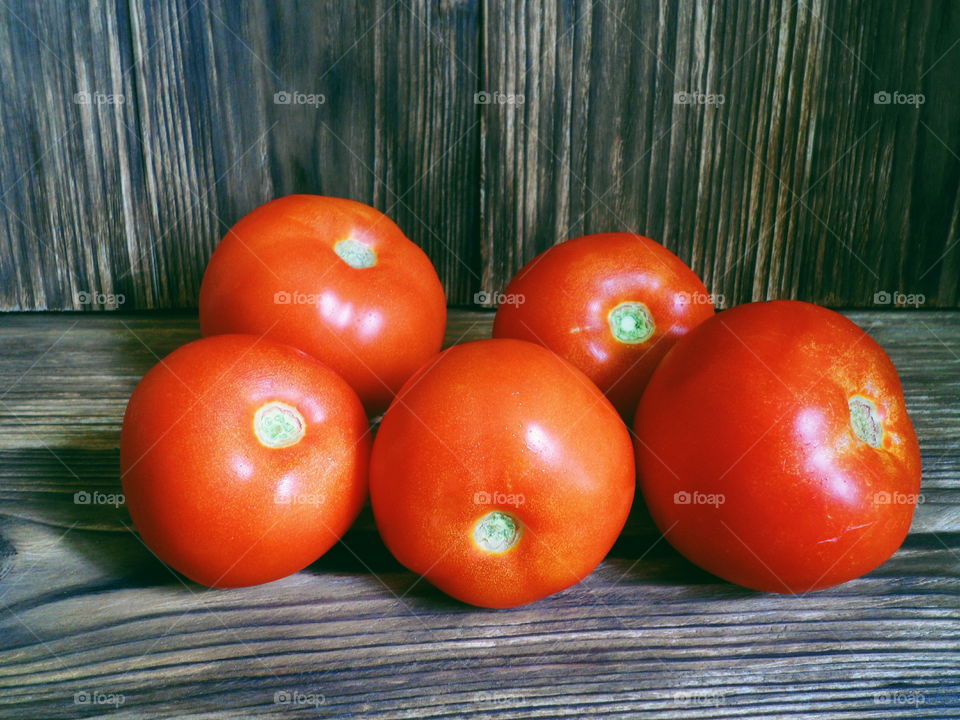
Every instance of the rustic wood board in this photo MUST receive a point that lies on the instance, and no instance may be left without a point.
(798, 185)
(790, 182)
(85, 608)
(127, 194)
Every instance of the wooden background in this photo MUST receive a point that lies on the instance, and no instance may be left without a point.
(798, 185)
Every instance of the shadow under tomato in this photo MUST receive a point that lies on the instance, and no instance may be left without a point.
(7, 555)
(87, 507)
(362, 552)
(645, 556)
(72, 483)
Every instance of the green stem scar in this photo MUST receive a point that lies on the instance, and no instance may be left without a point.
(278, 425)
(496, 532)
(865, 421)
(631, 322)
(355, 254)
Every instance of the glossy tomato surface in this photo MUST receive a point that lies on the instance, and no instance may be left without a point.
(501, 474)
(243, 460)
(774, 448)
(611, 303)
(335, 278)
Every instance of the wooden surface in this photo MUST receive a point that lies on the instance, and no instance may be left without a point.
(797, 185)
(85, 608)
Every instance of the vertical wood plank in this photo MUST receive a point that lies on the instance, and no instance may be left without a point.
(131, 198)
(242, 103)
(429, 61)
(70, 187)
(799, 184)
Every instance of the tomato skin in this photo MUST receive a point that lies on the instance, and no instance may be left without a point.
(754, 405)
(212, 501)
(569, 290)
(501, 426)
(277, 273)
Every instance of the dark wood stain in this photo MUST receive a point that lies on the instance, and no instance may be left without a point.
(797, 185)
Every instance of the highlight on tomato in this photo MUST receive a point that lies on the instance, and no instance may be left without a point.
(335, 278)
(774, 448)
(501, 474)
(243, 460)
(611, 303)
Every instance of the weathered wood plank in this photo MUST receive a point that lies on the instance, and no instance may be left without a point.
(227, 106)
(633, 638)
(369, 101)
(71, 179)
(797, 185)
(85, 608)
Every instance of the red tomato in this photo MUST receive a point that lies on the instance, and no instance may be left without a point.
(335, 278)
(243, 460)
(612, 304)
(501, 474)
(774, 448)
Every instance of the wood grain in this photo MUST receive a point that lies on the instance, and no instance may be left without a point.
(85, 608)
(71, 177)
(797, 185)
(205, 140)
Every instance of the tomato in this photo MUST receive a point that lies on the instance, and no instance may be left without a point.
(774, 448)
(335, 278)
(612, 304)
(242, 460)
(501, 474)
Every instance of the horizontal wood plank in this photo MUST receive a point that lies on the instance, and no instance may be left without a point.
(89, 617)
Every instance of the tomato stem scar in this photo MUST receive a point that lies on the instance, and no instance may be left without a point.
(355, 254)
(496, 532)
(278, 425)
(865, 421)
(631, 322)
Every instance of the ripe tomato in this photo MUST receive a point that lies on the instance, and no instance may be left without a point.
(335, 278)
(501, 474)
(243, 460)
(774, 448)
(612, 304)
